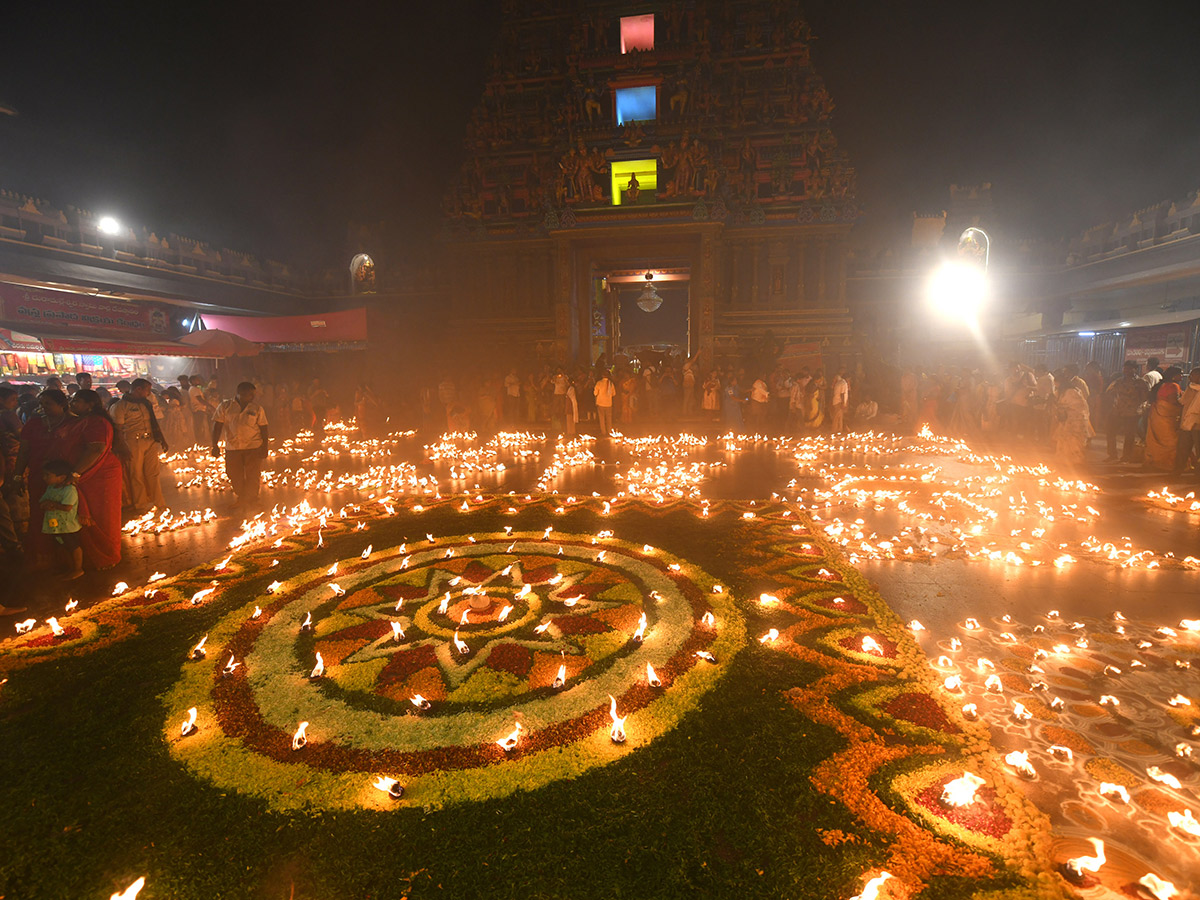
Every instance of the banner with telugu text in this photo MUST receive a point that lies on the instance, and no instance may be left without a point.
(30, 307)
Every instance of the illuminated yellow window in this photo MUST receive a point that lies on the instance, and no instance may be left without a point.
(634, 180)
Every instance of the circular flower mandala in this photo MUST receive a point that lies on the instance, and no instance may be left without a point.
(429, 659)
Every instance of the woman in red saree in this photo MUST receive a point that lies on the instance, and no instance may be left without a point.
(98, 478)
(1162, 425)
(51, 434)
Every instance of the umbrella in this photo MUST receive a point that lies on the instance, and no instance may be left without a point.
(221, 343)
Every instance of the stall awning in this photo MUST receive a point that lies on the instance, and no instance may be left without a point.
(344, 329)
(103, 347)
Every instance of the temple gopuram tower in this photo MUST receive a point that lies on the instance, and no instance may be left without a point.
(685, 140)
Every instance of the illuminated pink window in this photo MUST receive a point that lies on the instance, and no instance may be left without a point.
(637, 33)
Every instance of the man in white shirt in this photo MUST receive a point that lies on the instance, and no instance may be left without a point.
(1153, 376)
(839, 398)
(512, 397)
(604, 392)
(134, 416)
(760, 395)
(244, 423)
(198, 404)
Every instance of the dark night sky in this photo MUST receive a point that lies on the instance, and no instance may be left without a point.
(270, 126)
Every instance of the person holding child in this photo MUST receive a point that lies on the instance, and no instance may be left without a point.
(60, 516)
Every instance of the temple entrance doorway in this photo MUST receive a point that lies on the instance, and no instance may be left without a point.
(641, 313)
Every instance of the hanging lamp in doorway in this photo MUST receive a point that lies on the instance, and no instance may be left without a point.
(649, 299)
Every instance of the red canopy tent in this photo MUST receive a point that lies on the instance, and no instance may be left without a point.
(340, 330)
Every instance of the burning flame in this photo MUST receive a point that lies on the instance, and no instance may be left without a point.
(397, 632)
(1159, 889)
(26, 626)
(200, 595)
(131, 892)
(231, 666)
(389, 786)
(460, 645)
(319, 668)
(961, 791)
(618, 727)
(708, 619)
(871, 888)
(198, 652)
(72, 605)
(509, 741)
(1081, 864)
(772, 636)
(652, 677)
(561, 678)
(1019, 760)
(994, 684)
(299, 739)
(870, 645)
(1114, 791)
(119, 588)
(419, 702)
(914, 626)
(55, 628)
(274, 586)
(1164, 777)
(1185, 822)
(307, 623)
(189, 725)
(504, 613)
(332, 570)
(641, 629)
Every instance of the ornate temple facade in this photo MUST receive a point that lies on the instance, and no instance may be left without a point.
(685, 140)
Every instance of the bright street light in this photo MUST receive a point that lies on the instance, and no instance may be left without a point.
(957, 291)
(109, 225)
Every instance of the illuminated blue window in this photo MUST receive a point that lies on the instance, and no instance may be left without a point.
(637, 104)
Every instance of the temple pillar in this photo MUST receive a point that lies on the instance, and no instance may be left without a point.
(754, 297)
(822, 253)
(707, 292)
(801, 252)
(562, 301)
(734, 275)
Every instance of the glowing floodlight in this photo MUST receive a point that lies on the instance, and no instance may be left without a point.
(957, 292)
(108, 225)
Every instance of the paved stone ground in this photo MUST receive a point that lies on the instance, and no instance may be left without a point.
(942, 594)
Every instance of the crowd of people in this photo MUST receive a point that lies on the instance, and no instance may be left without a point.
(1153, 414)
(629, 398)
(79, 460)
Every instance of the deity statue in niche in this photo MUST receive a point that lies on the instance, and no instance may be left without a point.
(591, 103)
(591, 166)
(633, 134)
(712, 181)
(632, 189)
(679, 97)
